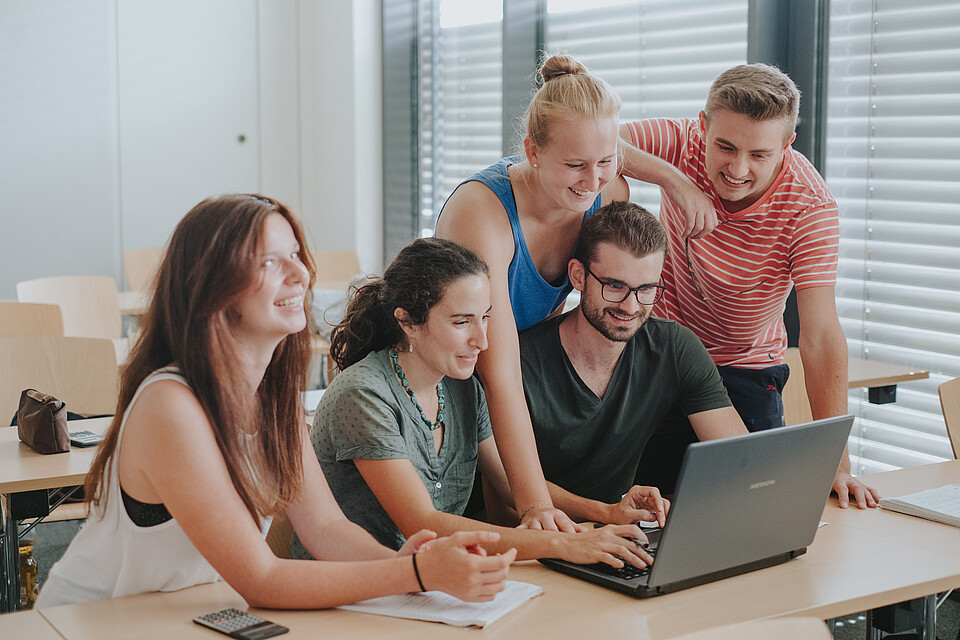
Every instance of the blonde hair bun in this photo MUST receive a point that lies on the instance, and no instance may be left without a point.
(579, 95)
(561, 65)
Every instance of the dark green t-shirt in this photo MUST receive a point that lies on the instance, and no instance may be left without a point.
(591, 446)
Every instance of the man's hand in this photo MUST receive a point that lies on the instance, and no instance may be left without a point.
(700, 216)
(639, 504)
(846, 485)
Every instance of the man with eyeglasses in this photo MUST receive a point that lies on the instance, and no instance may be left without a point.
(600, 379)
(748, 219)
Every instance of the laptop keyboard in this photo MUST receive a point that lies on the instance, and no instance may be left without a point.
(627, 571)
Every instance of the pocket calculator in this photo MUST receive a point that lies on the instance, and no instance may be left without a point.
(83, 438)
(240, 624)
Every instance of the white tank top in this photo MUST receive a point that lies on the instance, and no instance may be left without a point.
(111, 556)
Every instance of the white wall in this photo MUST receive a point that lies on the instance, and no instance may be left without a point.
(115, 118)
(341, 126)
(59, 140)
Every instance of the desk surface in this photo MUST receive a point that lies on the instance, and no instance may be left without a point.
(23, 469)
(850, 567)
(27, 624)
(871, 373)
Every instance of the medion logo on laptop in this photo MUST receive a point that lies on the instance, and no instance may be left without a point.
(759, 485)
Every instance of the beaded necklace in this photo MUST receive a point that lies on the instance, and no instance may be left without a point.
(406, 387)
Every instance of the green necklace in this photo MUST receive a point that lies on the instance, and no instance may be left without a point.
(406, 387)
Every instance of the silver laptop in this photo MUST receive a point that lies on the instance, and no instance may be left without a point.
(741, 504)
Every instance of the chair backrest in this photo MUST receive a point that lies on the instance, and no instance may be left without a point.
(89, 303)
(82, 372)
(335, 269)
(950, 404)
(20, 319)
(141, 266)
(796, 405)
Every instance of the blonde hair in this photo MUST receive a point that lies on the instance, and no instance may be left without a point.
(758, 91)
(567, 91)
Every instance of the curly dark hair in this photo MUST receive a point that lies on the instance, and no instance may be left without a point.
(415, 281)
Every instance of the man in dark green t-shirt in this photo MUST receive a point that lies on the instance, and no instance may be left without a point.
(600, 379)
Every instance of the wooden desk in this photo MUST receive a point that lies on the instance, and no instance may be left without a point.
(849, 568)
(27, 625)
(880, 378)
(897, 527)
(23, 469)
(870, 373)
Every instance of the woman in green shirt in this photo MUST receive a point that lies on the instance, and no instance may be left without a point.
(401, 431)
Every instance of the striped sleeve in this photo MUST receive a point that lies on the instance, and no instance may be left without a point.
(662, 137)
(814, 248)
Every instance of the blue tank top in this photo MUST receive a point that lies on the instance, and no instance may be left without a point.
(531, 297)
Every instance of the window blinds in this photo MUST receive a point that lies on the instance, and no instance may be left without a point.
(460, 96)
(893, 163)
(659, 55)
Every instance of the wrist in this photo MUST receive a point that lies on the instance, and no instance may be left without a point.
(604, 513)
(416, 572)
(539, 504)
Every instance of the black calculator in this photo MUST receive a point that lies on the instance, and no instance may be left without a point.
(84, 438)
(240, 624)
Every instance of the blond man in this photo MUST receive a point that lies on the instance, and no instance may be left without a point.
(748, 219)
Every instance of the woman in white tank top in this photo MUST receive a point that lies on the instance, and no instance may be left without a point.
(208, 442)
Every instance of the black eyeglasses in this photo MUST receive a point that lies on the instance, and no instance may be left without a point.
(616, 292)
(696, 285)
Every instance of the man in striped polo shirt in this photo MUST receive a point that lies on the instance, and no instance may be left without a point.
(748, 218)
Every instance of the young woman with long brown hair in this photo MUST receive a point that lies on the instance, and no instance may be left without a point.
(208, 442)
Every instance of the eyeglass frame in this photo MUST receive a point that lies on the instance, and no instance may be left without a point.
(634, 290)
(693, 277)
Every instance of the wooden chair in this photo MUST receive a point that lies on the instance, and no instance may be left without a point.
(950, 404)
(279, 536)
(89, 303)
(80, 371)
(796, 405)
(335, 269)
(141, 266)
(20, 319)
(780, 628)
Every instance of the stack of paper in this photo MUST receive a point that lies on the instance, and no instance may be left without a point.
(435, 606)
(940, 505)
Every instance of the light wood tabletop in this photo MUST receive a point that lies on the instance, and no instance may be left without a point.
(849, 568)
(27, 625)
(23, 469)
(871, 373)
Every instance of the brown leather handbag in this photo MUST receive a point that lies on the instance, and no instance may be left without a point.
(42, 422)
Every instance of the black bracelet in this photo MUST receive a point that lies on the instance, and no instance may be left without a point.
(416, 570)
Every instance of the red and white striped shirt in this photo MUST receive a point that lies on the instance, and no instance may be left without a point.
(747, 266)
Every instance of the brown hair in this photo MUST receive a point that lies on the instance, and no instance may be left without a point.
(415, 281)
(209, 263)
(567, 92)
(625, 225)
(758, 91)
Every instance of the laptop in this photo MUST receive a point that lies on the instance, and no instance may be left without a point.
(741, 504)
